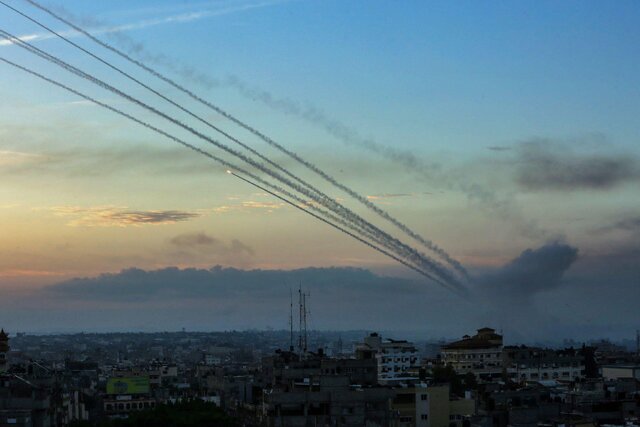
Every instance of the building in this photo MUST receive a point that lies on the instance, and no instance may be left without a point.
(537, 364)
(394, 358)
(612, 402)
(614, 372)
(127, 394)
(4, 350)
(422, 405)
(316, 390)
(480, 355)
(27, 402)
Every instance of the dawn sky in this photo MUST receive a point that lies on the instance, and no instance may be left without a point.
(506, 133)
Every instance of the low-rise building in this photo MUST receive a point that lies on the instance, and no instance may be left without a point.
(480, 354)
(127, 394)
(4, 351)
(537, 364)
(423, 405)
(614, 372)
(317, 390)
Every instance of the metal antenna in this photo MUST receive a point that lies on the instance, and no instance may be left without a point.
(304, 313)
(300, 318)
(290, 320)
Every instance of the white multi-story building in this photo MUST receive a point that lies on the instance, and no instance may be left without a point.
(480, 354)
(395, 358)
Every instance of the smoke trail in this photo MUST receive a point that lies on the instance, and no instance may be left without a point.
(219, 160)
(155, 92)
(380, 212)
(458, 291)
(410, 159)
(422, 259)
(504, 208)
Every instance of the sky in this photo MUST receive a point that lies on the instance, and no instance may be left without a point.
(505, 133)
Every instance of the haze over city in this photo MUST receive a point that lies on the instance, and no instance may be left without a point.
(507, 137)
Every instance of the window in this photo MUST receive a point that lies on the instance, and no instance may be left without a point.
(424, 417)
(423, 397)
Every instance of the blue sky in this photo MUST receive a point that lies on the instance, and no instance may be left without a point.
(520, 118)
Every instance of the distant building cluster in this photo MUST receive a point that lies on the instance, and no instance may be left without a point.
(350, 379)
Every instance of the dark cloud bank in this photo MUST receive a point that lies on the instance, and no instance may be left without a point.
(543, 165)
(544, 293)
(531, 272)
(222, 283)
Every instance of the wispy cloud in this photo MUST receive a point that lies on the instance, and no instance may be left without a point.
(202, 242)
(110, 216)
(13, 158)
(13, 273)
(389, 196)
(630, 224)
(547, 165)
(181, 18)
(248, 206)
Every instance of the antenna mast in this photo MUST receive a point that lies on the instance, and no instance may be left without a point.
(300, 318)
(304, 321)
(290, 320)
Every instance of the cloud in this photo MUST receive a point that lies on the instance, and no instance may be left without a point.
(222, 283)
(498, 148)
(201, 242)
(17, 158)
(62, 149)
(533, 271)
(543, 165)
(248, 206)
(626, 224)
(388, 196)
(350, 298)
(120, 217)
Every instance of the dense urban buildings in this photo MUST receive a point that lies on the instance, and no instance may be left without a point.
(58, 380)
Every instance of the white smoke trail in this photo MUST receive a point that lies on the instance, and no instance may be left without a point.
(427, 243)
(409, 252)
(222, 162)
